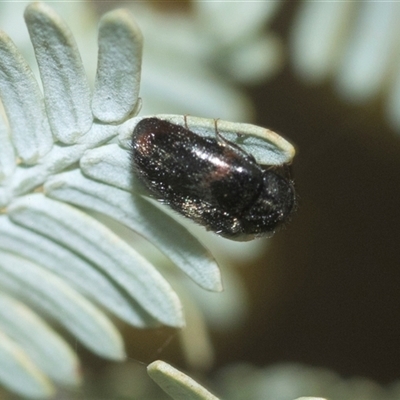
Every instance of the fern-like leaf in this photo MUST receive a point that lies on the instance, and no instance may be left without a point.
(63, 156)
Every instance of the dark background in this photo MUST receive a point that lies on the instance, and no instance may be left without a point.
(335, 268)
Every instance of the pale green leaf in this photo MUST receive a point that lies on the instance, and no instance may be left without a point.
(231, 23)
(23, 104)
(311, 398)
(26, 179)
(51, 295)
(109, 164)
(175, 383)
(7, 155)
(18, 373)
(77, 271)
(59, 158)
(92, 240)
(66, 90)
(119, 65)
(5, 197)
(40, 342)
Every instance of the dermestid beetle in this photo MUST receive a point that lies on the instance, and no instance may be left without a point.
(211, 180)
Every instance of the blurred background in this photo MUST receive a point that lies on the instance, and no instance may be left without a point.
(324, 291)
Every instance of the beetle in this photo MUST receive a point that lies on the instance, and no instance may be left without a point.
(211, 180)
